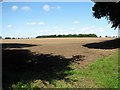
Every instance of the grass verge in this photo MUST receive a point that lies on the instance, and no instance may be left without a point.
(103, 73)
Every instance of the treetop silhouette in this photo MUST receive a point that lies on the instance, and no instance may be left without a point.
(109, 10)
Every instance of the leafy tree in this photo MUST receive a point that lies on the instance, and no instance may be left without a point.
(7, 37)
(106, 36)
(109, 10)
(13, 38)
(69, 35)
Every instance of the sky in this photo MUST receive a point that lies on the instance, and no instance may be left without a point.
(31, 19)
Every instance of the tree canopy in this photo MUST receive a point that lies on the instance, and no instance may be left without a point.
(109, 10)
(69, 35)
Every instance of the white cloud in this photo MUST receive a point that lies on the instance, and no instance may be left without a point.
(58, 7)
(31, 23)
(35, 23)
(14, 8)
(101, 30)
(85, 28)
(55, 27)
(92, 27)
(28, 23)
(72, 28)
(41, 23)
(76, 22)
(9, 26)
(46, 7)
(25, 8)
(91, 31)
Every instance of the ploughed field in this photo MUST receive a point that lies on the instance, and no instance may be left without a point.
(67, 47)
(57, 62)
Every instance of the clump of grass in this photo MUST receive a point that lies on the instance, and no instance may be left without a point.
(22, 84)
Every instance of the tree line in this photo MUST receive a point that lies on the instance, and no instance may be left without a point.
(14, 38)
(69, 35)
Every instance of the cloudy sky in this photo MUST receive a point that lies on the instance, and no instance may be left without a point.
(31, 19)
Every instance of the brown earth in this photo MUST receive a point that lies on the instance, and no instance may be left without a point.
(67, 47)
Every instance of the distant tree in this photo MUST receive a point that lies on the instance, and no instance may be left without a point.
(7, 37)
(113, 36)
(0, 37)
(59, 35)
(106, 36)
(74, 35)
(92, 35)
(109, 10)
(13, 38)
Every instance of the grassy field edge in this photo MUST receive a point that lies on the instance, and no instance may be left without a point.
(103, 73)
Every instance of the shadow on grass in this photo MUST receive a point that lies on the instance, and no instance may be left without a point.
(27, 66)
(109, 44)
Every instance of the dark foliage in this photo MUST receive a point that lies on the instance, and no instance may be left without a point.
(7, 37)
(110, 44)
(69, 35)
(13, 38)
(109, 10)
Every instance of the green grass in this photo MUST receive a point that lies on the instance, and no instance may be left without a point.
(103, 73)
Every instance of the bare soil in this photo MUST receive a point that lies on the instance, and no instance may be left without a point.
(67, 47)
